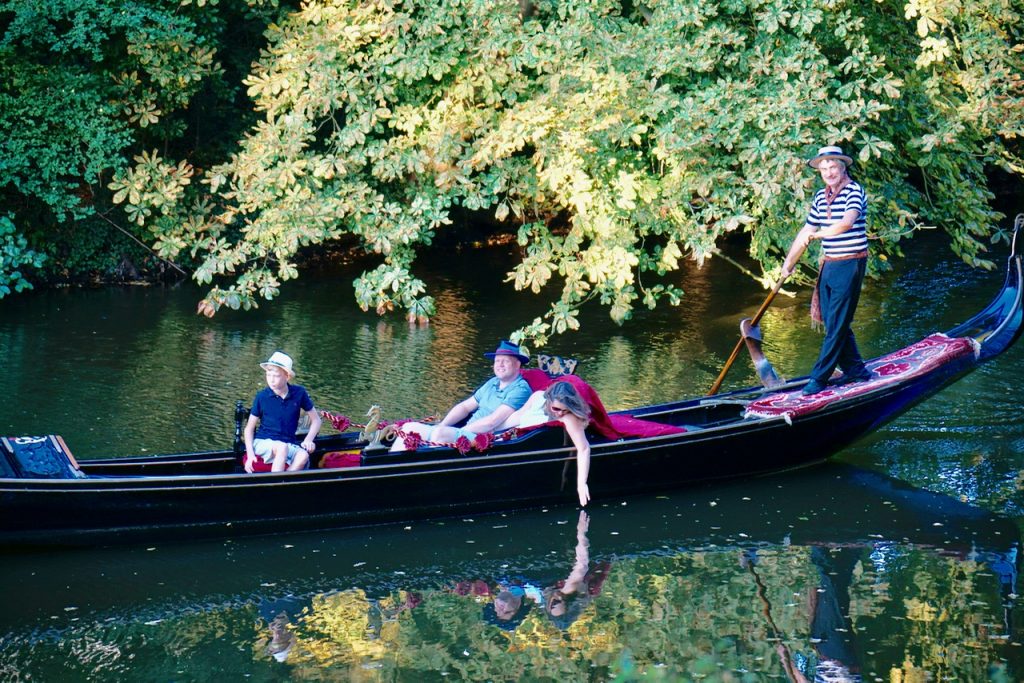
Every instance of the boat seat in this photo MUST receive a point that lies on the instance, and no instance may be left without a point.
(556, 366)
(341, 459)
(38, 457)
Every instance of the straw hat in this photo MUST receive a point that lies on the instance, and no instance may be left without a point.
(829, 152)
(279, 360)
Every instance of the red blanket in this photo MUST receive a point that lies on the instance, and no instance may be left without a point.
(916, 359)
(612, 427)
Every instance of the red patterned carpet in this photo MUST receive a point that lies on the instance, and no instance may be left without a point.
(917, 359)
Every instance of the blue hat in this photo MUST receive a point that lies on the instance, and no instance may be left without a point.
(507, 348)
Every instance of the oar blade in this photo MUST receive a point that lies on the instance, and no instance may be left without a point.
(765, 372)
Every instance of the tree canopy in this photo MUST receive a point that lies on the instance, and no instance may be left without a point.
(614, 139)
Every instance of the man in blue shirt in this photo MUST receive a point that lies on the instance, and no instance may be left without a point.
(276, 410)
(487, 408)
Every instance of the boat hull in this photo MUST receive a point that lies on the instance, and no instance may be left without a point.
(97, 508)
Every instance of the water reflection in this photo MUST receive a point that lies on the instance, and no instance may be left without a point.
(832, 655)
(280, 616)
(835, 569)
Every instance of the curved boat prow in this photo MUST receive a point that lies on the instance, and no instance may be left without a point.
(998, 326)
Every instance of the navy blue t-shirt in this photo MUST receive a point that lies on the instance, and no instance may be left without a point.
(279, 417)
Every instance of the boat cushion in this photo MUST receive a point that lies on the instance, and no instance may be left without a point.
(339, 459)
(258, 465)
(38, 457)
(917, 359)
(616, 426)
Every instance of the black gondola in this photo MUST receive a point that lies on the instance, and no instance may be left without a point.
(56, 501)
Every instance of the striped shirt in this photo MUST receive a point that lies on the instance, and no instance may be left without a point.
(853, 240)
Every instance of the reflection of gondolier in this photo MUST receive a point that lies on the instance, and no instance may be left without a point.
(837, 217)
(830, 627)
(833, 658)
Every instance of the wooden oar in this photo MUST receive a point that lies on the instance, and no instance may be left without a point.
(739, 344)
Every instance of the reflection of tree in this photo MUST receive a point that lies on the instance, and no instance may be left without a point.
(338, 628)
(693, 614)
(953, 628)
(913, 614)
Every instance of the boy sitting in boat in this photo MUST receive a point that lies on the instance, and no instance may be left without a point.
(276, 410)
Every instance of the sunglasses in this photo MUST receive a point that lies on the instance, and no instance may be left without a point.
(557, 410)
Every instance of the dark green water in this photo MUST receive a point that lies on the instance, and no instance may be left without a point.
(757, 580)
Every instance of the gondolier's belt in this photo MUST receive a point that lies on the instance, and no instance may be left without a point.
(846, 257)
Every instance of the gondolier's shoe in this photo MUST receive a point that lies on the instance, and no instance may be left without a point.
(862, 376)
(813, 387)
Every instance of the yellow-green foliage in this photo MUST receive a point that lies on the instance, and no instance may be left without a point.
(616, 139)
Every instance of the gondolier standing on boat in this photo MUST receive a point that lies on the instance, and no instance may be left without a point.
(837, 217)
(276, 410)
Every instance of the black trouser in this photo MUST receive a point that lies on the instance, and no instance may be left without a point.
(838, 294)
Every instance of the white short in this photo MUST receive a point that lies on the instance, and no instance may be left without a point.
(458, 433)
(263, 448)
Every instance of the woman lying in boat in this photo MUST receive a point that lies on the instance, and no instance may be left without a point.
(560, 402)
